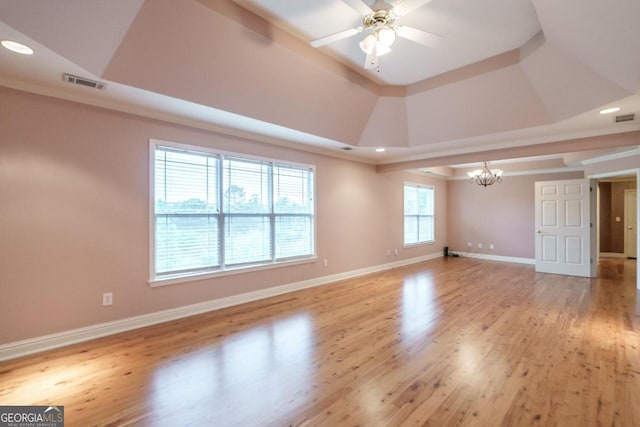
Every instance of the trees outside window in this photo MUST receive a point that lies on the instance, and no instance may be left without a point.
(214, 212)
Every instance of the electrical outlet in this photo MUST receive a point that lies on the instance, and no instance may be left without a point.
(469, 245)
(395, 252)
(107, 299)
(326, 262)
(491, 246)
(479, 245)
(388, 252)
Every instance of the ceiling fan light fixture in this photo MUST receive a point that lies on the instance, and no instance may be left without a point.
(386, 36)
(379, 20)
(371, 45)
(368, 44)
(380, 50)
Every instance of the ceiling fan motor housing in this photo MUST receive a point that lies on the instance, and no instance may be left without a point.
(378, 19)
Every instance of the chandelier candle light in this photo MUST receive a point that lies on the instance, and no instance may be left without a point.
(485, 176)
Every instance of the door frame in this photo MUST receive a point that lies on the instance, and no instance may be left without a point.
(635, 172)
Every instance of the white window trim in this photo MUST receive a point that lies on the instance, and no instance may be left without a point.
(155, 281)
(175, 279)
(427, 242)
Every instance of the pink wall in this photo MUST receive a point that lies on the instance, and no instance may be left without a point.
(501, 214)
(74, 219)
(219, 62)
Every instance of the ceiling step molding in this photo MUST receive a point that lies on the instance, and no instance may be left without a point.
(612, 156)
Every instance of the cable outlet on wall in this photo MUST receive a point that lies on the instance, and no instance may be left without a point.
(107, 299)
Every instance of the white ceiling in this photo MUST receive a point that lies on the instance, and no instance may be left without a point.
(471, 31)
(240, 74)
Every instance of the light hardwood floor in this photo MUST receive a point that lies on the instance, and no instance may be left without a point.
(447, 342)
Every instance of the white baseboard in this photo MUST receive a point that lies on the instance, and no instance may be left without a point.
(612, 255)
(499, 258)
(74, 336)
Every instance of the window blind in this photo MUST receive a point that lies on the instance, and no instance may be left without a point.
(186, 211)
(214, 211)
(418, 214)
(293, 207)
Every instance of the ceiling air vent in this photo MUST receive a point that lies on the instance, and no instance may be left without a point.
(625, 118)
(83, 81)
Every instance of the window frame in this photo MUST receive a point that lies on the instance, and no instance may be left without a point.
(418, 216)
(223, 269)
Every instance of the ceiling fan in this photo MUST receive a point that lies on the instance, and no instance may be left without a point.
(381, 20)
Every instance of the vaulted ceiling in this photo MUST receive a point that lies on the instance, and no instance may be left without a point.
(467, 32)
(511, 78)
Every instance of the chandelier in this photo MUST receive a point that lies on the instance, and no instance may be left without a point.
(485, 176)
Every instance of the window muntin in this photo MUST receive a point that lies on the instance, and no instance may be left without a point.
(418, 214)
(214, 212)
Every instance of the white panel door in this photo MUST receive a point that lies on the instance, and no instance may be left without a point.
(563, 227)
(630, 226)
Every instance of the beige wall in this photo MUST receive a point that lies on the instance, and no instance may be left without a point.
(74, 216)
(502, 214)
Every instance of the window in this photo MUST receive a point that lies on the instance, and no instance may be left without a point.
(418, 214)
(186, 211)
(214, 212)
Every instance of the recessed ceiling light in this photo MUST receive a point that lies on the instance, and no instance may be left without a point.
(380, 150)
(17, 47)
(609, 110)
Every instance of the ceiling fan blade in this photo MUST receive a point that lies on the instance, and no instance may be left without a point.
(408, 6)
(335, 37)
(359, 6)
(418, 36)
(371, 61)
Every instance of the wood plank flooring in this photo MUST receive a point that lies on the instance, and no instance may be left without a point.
(449, 342)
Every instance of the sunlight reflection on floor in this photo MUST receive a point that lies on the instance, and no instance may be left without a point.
(284, 350)
(419, 312)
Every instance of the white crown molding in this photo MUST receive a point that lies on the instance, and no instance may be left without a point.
(624, 172)
(612, 156)
(509, 140)
(298, 140)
